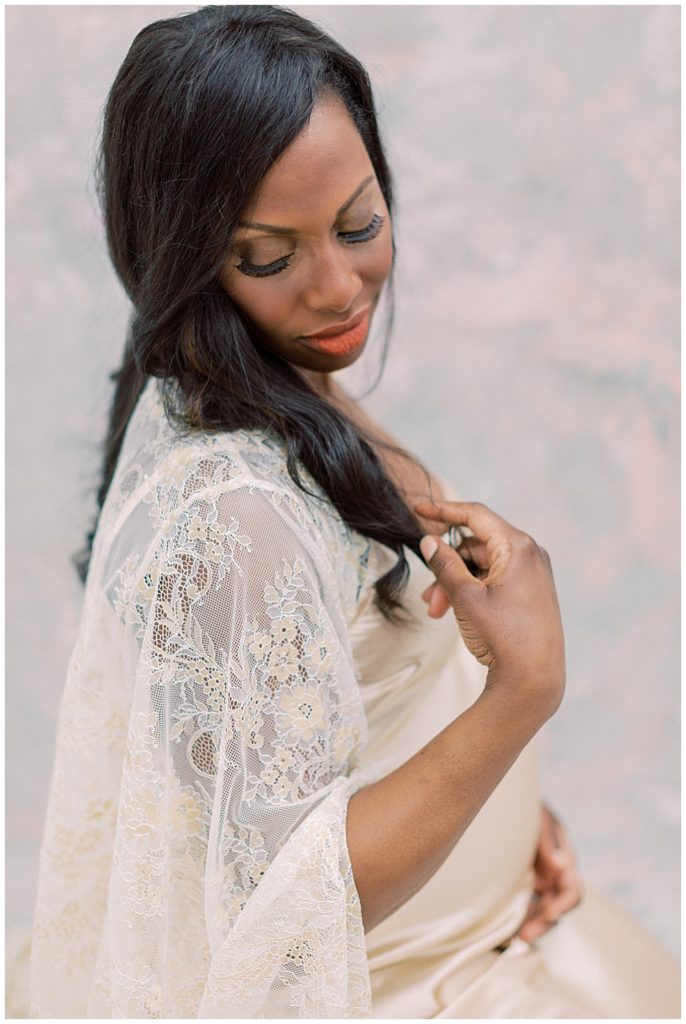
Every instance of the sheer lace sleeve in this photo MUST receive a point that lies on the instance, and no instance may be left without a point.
(211, 732)
(194, 860)
(240, 762)
(232, 892)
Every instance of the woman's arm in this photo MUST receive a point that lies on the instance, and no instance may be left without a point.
(401, 828)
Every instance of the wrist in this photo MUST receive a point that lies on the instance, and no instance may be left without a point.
(531, 692)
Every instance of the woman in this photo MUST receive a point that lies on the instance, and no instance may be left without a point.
(282, 786)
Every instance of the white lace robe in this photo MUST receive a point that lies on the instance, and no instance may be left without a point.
(194, 860)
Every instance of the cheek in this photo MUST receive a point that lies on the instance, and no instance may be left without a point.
(265, 306)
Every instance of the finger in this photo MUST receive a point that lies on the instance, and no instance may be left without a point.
(549, 847)
(534, 924)
(439, 602)
(445, 562)
(438, 605)
(559, 850)
(532, 910)
(529, 927)
(481, 520)
(535, 928)
(530, 924)
(555, 911)
(476, 550)
(555, 871)
(562, 839)
(546, 881)
(567, 896)
(553, 842)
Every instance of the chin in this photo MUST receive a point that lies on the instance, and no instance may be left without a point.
(328, 362)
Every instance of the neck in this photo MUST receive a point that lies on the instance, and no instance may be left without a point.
(322, 383)
(327, 388)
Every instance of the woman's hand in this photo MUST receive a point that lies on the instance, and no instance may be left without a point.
(508, 615)
(558, 887)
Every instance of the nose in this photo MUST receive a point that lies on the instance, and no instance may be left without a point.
(334, 283)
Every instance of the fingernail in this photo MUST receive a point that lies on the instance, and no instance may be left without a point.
(427, 546)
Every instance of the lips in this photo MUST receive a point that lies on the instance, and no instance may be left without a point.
(336, 329)
(341, 339)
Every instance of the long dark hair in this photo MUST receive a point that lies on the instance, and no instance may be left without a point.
(200, 109)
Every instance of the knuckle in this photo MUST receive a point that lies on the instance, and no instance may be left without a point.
(526, 544)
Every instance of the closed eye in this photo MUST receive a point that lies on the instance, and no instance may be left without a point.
(365, 234)
(263, 269)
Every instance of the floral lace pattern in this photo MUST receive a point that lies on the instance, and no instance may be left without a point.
(194, 859)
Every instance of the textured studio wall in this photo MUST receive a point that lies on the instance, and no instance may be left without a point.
(534, 364)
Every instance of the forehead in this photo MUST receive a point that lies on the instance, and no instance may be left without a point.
(319, 170)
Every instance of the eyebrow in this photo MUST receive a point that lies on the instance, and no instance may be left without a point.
(292, 231)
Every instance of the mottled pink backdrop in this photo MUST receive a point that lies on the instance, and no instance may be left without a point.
(534, 363)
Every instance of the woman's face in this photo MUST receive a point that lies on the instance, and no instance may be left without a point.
(322, 251)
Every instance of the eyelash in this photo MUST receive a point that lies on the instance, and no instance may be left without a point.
(366, 234)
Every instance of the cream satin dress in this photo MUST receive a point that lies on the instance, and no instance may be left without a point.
(435, 955)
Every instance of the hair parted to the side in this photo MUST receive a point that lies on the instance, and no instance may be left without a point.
(201, 107)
